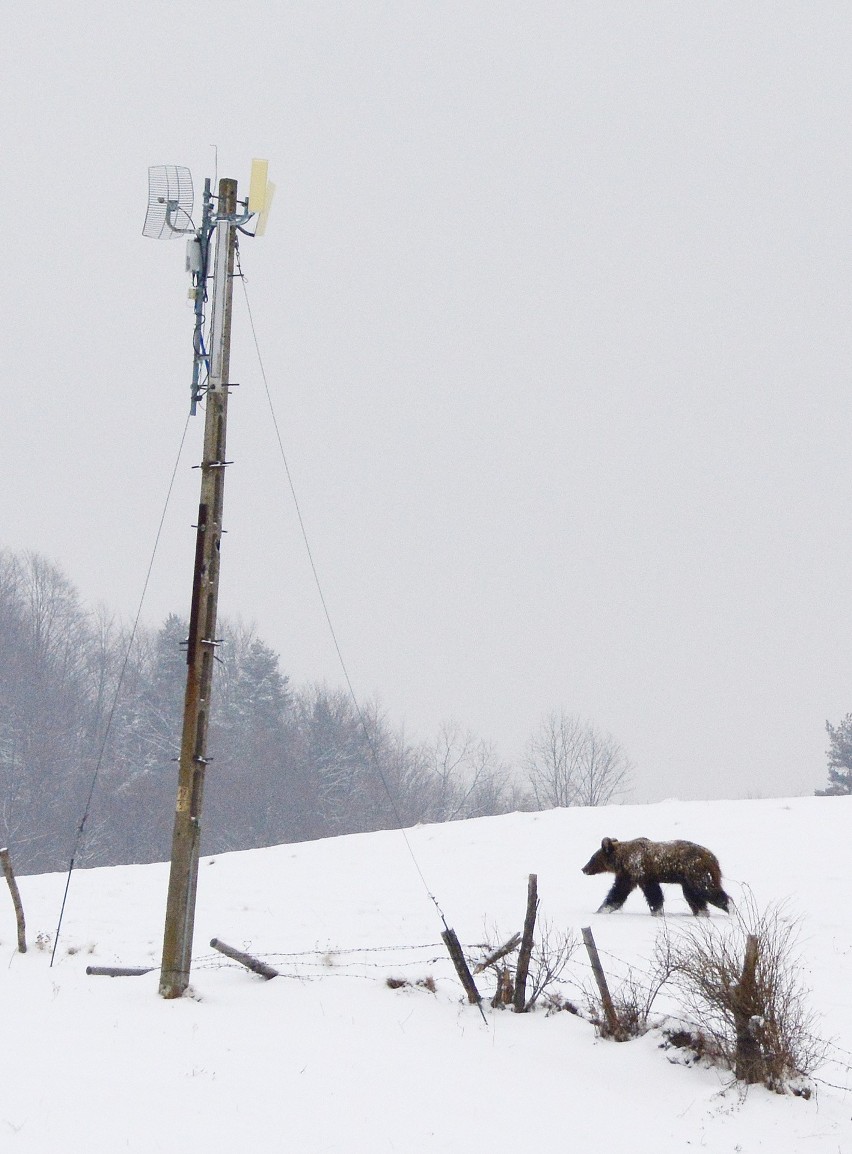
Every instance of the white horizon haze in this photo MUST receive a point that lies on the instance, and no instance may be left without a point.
(554, 309)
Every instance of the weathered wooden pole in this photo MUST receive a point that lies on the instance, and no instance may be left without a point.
(612, 1022)
(250, 963)
(749, 1062)
(525, 952)
(118, 971)
(451, 941)
(6, 862)
(183, 877)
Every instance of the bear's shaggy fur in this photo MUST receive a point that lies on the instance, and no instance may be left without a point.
(646, 864)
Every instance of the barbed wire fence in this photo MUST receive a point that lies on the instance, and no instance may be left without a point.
(411, 964)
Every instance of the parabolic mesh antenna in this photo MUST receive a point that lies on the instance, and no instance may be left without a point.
(170, 200)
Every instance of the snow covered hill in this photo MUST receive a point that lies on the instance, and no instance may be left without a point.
(329, 1058)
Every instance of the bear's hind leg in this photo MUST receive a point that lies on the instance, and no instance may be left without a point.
(621, 889)
(653, 896)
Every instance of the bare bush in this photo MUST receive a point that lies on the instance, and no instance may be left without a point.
(551, 952)
(706, 968)
(633, 999)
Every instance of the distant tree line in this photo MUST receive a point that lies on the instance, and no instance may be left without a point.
(287, 764)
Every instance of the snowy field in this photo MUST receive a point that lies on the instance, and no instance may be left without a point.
(328, 1058)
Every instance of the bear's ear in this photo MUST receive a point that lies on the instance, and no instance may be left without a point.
(607, 845)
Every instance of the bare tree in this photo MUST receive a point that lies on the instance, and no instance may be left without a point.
(568, 762)
(43, 699)
(467, 777)
(604, 771)
(551, 760)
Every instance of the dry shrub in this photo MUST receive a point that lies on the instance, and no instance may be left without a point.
(551, 952)
(706, 964)
(555, 1003)
(632, 1001)
(403, 984)
(633, 998)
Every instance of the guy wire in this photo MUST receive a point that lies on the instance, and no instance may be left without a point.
(114, 706)
(361, 719)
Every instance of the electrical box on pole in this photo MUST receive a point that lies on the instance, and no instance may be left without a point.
(169, 210)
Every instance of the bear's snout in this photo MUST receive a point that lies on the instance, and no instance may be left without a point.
(595, 864)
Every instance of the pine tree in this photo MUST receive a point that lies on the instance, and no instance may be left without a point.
(249, 787)
(839, 755)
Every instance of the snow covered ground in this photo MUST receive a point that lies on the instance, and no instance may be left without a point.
(329, 1058)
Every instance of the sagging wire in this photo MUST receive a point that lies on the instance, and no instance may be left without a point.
(108, 728)
(323, 602)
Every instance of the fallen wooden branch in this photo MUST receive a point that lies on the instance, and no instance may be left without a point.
(253, 964)
(506, 948)
(16, 899)
(119, 971)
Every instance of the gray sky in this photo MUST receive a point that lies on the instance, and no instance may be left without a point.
(555, 309)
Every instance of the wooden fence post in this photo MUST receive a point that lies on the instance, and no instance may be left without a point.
(749, 1063)
(612, 1022)
(453, 945)
(520, 1000)
(16, 899)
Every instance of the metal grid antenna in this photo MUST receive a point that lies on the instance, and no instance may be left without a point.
(170, 199)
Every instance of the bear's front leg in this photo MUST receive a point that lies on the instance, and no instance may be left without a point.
(618, 895)
(653, 896)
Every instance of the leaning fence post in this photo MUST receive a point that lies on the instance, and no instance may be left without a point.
(613, 1024)
(250, 963)
(453, 945)
(748, 1066)
(16, 899)
(119, 971)
(520, 1000)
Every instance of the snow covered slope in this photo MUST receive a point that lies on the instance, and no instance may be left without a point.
(329, 1058)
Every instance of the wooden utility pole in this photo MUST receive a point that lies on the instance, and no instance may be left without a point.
(183, 878)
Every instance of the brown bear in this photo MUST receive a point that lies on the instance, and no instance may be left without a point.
(647, 863)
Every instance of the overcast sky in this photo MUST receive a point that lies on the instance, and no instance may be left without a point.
(555, 309)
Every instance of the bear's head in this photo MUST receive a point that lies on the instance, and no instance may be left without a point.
(604, 860)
